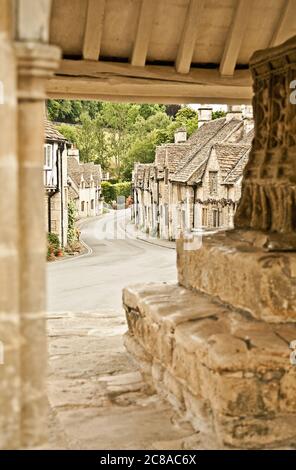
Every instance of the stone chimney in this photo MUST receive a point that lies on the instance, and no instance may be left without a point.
(234, 112)
(247, 111)
(73, 152)
(204, 114)
(180, 135)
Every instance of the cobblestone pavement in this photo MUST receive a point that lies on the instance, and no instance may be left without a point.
(96, 395)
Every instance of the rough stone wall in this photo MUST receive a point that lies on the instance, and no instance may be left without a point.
(269, 192)
(229, 374)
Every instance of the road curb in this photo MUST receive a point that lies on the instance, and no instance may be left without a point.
(155, 243)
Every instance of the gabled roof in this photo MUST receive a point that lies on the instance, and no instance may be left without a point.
(139, 174)
(89, 171)
(237, 171)
(203, 139)
(170, 156)
(228, 155)
(51, 132)
(247, 140)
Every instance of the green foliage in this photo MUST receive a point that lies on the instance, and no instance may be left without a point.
(116, 135)
(218, 114)
(69, 131)
(53, 240)
(70, 111)
(123, 189)
(112, 191)
(53, 245)
(72, 232)
(108, 191)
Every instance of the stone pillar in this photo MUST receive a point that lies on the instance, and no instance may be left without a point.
(9, 318)
(35, 64)
(268, 202)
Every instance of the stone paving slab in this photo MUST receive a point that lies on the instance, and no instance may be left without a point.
(97, 396)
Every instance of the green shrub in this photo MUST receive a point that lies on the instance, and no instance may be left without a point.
(53, 240)
(123, 189)
(108, 191)
(72, 232)
(112, 191)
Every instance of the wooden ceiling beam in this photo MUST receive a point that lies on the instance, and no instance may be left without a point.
(93, 29)
(129, 87)
(148, 99)
(144, 29)
(280, 33)
(235, 37)
(189, 35)
(168, 74)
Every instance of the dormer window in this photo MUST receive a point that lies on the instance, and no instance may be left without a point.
(47, 163)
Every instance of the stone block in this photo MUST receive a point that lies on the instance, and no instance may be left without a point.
(229, 373)
(240, 273)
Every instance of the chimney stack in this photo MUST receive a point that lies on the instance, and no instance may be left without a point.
(73, 152)
(234, 111)
(204, 114)
(180, 135)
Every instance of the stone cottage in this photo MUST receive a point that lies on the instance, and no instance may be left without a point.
(84, 183)
(55, 182)
(189, 186)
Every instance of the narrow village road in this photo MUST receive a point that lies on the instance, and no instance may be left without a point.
(95, 281)
(97, 397)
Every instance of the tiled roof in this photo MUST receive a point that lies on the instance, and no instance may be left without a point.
(51, 132)
(139, 174)
(228, 156)
(248, 137)
(87, 170)
(237, 171)
(203, 139)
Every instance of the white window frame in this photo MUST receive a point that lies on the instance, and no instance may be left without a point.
(48, 152)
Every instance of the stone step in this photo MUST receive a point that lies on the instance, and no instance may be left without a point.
(229, 373)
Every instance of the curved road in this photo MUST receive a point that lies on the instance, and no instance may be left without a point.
(94, 281)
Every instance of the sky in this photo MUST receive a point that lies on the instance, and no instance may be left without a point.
(216, 107)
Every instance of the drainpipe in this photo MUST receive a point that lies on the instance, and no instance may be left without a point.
(60, 155)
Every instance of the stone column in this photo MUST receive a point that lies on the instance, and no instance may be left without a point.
(36, 62)
(9, 318)
(268, 202)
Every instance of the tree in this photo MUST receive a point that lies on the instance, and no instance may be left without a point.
(117, 135)
(218, 114)
(69, 111)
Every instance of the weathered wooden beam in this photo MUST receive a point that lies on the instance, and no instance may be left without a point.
(93, 29)
(148, 99)
(167, 74)
(287, 16)
(235, 37)
(189, 34)
(144, 29)
(119, 86)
